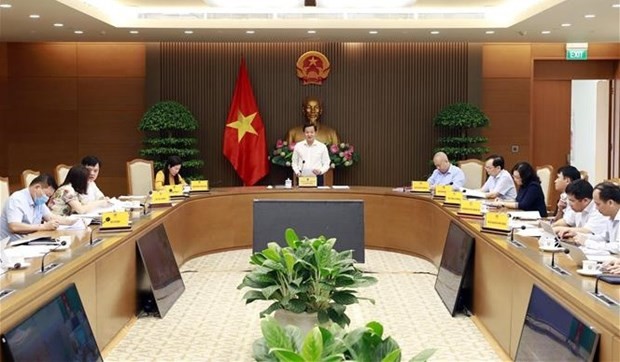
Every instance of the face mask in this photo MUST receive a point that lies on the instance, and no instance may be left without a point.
(41, 200)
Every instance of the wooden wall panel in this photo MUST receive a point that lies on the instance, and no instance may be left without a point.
(380, 97)
(43, 93)
(506, 61)
(562, 69)
(43, 60)
(558, 51)
(111, 94)
(4, 99)
(124, 60)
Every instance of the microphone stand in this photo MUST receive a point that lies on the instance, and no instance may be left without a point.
(607, 278)
(555, 268)
(62, 243)
(512, 237)
(92, 241)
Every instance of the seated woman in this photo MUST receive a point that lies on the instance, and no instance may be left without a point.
(170, 174)
(530, 196)
(71, 196)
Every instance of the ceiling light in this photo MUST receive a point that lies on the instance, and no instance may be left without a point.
(34, 16)
(373, 32)
(615, 6)
(189, 32)
(589, 16)
(59, 25)
(565, 25)
(133, 32)
(434, 32)
(5, 6)
(78, 32)
(250, 32)
(311, 31)
(490, 32)
(545, 32)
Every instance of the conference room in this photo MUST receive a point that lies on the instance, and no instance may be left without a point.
(64, 95)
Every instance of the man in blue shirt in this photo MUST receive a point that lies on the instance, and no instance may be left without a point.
(445, 173)
(500, 184)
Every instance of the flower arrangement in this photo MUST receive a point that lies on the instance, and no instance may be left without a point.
(342, 155)
(282, 153)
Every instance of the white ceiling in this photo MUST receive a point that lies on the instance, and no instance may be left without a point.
(455, 20)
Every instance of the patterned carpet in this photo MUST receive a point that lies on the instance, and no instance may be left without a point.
(210, 321)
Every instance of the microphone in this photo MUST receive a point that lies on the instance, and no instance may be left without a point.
(564, 250)
(303, 163)
(607, 278)
(512, 231)
(93, 241)
(62, 243)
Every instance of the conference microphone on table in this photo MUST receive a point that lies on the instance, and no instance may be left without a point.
(553, 252)
(512, 231)
(93, 241)
(607, 278)
(60, 244)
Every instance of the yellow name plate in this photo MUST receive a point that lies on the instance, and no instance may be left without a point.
(115, 219)
(420, 186)
(307, 181)
(199, 185)
(471, 207)
(454, 197)
(175, 190)
(497, 220)
(441, 190)
(160, 197)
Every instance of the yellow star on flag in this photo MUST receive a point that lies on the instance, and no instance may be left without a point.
(243, 124)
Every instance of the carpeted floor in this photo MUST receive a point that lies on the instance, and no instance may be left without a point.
(210, 321)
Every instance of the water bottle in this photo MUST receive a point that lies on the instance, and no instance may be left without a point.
(288, 183)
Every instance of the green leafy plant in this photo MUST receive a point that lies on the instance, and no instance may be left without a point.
(458, 120)
(282, 154)
(333, 344)
(307, 275)
(166, 126)
(342, 155)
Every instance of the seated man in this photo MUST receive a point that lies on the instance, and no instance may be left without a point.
(445, 173)
(25, 210)
(310, 157)
(93, 193)
(606, 197)
(566, 175)
(500, 184)
(583, 216)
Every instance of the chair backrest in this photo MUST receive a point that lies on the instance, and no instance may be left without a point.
(140, 176)
(28, 176)
(474, 173)
(61, 173)
(584, 175)
(545, 174)
(4, 192)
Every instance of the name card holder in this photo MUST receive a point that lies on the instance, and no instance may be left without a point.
(471, 208)
(199, 186)
(496, 223)
(160, 199)
(115, 221)
(307, 181)
(421, 187)
(442, 190)
(176, 191)
(453, 198)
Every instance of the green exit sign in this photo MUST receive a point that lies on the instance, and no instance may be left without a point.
(576, 54)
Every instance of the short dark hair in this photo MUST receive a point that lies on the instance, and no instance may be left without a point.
(90, 161)
(569, 171)
(306, 125)
(45, 180)
(580, 189)
(78, 178)
(608, 191)
(497, 160)
(526, 172)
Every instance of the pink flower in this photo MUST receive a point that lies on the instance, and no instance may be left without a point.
(291, 146)
(351, 148)
(334, 149)
(348, 155)
(279, 143)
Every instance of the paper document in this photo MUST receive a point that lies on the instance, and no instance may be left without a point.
(525, 215)
(471, 193)
(340, 187)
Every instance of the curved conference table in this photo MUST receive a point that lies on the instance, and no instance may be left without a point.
(105, 274)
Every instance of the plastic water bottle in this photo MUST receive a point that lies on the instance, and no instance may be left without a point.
(288, 183)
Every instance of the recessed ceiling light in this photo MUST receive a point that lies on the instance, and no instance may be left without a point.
(589, 16)
(490, 32)
(434, 32)
(565, 25)
(311, 31)
(250, 32)
(615, 6)
(6, 6)
(134, 32)
(59, 25)
(373, 32)
(545, 32)
(189, 32)
(79, 32)
(34, 16)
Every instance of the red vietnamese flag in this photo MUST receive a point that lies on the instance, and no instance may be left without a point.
(245, 144)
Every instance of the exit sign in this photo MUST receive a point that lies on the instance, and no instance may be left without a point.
(576, 54)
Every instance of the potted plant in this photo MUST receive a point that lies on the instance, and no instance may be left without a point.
(166, 126)
(458, 120)
(365, 344)
(306, 276)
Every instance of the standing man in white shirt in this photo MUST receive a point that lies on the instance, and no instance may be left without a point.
(310, 157)
(445, 173)
(93, 164)
(500, 184)
(606, 196)
(584, 217)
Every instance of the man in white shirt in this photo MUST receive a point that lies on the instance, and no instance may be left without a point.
(606, 196)
(26, 209)
(93, 193)
(445, 173)
(310, 157)
(566, 175)
(499, 184)
(583, 216)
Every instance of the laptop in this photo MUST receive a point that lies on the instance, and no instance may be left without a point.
(547, 228)
(36, 240)
(575, 253)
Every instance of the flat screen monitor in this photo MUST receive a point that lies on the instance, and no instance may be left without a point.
(552, 333)
(159, 280)
(454, 279)
(58, 331)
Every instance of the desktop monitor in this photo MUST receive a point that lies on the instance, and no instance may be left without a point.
(58, 331)
(159, 280)
(454, 278)
(552, 333)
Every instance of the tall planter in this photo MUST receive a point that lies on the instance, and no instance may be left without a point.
(168, 128)
(458, 122)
